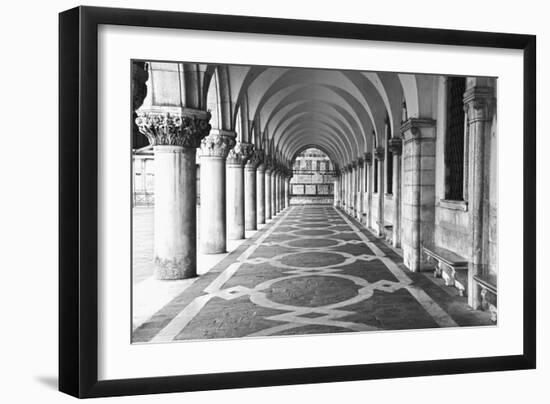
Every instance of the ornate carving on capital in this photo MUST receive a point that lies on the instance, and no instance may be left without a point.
(240, 154)
(256, 159)
(218, 144)
(395, 145)
(349, 167)
(174, 129)
(379, 153)
(354, 164)
(360, 161)
(479, 103)
(368, 158)
(412, 127)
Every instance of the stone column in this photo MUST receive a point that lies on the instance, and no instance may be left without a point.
(277, 193)
(284, 188)
(379, 154)
(364, 190)
(395, 146)
(268, 171)
(348, 189)
(260, 196)
(273, 193)
(353, 178)
(214, 150)
(479, 106)
(343, 188)
(341, 182)
(350, 182)
(236, 160)
(288, 190)
(283, 191)
(418, 211)
(368, 163)
(174, 138)
(360, 172)
(336, 182)
(250, 190)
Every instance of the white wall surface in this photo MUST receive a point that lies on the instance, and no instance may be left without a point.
(28, 200)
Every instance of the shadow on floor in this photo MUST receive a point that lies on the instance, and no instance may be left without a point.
(48, 381)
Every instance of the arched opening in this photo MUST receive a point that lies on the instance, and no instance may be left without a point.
(312, 178)
(213, 102)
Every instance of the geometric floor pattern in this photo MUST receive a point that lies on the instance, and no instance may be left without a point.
(312, 270)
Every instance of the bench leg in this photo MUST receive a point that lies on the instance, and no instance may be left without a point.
(438, 270)
(486, 305)
(447, 274)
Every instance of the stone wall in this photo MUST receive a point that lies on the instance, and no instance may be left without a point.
(491, 193)
(388, 208)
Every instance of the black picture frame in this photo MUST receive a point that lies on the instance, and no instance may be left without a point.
(78, 200)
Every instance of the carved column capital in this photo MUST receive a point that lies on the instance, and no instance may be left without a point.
(183, 127)
(217, 144)
(360, 161)
(479, 103)
(379, 153)
(395, 145)
(240, 154)
(354, 164)
(412, 128)
(255, 160)
(368, 158)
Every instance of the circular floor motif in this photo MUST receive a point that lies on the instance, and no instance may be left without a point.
(313, 243)
(312, 259)
(324, 232)
(312, 291)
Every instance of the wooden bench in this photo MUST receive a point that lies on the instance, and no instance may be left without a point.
(450, 266)
(488, 294)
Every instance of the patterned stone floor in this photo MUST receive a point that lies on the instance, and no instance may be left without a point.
(312, 270)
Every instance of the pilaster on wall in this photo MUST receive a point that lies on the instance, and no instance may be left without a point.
(360, 182)
(479, 105)
(396, 146)
(368, 191)
(379, 154)
(418, 207)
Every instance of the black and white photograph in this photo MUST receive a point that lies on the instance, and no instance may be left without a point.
(273, 201)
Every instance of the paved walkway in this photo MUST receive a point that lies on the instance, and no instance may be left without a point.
(311, 270)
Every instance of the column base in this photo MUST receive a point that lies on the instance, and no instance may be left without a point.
(166, 269)
(212, 249)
